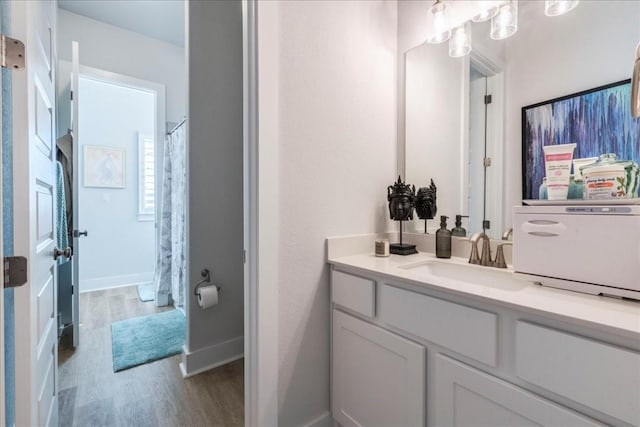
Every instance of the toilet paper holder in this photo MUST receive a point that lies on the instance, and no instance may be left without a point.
(206, 278)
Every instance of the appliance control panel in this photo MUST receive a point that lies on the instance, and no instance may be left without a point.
(599, 209)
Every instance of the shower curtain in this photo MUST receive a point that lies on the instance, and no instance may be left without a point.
(171, 262)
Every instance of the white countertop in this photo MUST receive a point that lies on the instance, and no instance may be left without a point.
(621, 317)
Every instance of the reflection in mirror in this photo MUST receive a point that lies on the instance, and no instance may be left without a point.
(448, 131)
(452, 126)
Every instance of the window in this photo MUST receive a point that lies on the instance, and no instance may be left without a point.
(146, 178)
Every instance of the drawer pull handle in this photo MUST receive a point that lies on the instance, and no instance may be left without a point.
(543, 228)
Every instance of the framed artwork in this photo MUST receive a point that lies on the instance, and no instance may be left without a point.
(104, 166)
(598, 121)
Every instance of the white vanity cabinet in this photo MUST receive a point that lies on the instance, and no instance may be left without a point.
(467, 397)
(409, 355)
(378, 376)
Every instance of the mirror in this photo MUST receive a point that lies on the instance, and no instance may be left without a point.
(450, 133)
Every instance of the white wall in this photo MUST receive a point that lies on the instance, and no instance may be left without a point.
(550, 57)
(336, 140)
(119, 249)
(120, 51)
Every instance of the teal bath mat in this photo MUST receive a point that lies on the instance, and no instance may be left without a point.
(145, 292)
(148, 338)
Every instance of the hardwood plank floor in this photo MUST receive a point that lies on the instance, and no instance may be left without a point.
(154, 394)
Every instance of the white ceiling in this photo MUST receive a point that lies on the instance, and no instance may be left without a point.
(160, 19)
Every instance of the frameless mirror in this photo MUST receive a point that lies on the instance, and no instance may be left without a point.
(462, 115)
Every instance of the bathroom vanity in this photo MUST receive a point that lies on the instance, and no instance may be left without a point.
(419, 341)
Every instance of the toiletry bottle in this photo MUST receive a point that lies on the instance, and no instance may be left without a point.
(443, 239)
(459, 231)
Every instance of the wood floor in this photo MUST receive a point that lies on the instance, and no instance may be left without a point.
(155, 394)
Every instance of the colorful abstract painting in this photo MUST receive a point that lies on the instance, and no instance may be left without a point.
(599, 121)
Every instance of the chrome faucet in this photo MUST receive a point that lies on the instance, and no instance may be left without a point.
(508, 233)
(485, 258)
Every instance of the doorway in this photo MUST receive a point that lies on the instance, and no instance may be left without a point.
(215, 25)
(485, 144)
(116, 200)
(95, 388)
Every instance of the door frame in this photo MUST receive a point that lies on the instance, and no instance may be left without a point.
(159, 91)
(260, 228)
(261, 351)
(2, 368)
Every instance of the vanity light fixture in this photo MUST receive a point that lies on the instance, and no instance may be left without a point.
(505, 23)
(559, 7)
(487, 9)
(438, 22)
(460, 42)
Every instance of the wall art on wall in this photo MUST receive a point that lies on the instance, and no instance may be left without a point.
(104, 166)
(598, 121)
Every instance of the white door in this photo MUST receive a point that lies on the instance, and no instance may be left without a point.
(378, 378)
(75, 188)
(33, 22)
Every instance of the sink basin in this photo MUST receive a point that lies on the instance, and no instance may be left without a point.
(469, 273)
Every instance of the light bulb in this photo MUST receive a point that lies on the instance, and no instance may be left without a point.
(505, 23)
(487, 9)
(460, 42)
(438, 23)
(559, 7)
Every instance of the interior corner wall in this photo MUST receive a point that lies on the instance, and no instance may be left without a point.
(590, 46)
(337, 154)
(121, 51)
(215, 181)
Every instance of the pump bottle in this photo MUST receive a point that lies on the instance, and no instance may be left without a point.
(443, 239)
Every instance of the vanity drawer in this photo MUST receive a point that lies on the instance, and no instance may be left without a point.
(465, 330)
(601, 376)
(353, 292)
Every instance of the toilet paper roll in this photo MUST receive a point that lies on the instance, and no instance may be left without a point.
(208, 296)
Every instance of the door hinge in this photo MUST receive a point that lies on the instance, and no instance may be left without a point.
(71, 95)
(11, 53)
(14, 269)
(487, 162)
(487, 99)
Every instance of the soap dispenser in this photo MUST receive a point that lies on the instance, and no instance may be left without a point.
(459, 231)
(443, 239)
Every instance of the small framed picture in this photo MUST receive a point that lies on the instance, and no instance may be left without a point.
(104, 166)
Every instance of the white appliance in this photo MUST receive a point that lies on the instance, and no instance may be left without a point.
(586, 248)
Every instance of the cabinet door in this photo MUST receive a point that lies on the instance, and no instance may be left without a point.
(467, 397)
(378, 378)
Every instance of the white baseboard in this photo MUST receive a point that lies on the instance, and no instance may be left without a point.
(211, 357)
(324, 420)
(110, 282)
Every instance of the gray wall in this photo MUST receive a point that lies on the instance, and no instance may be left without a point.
(215, 174)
